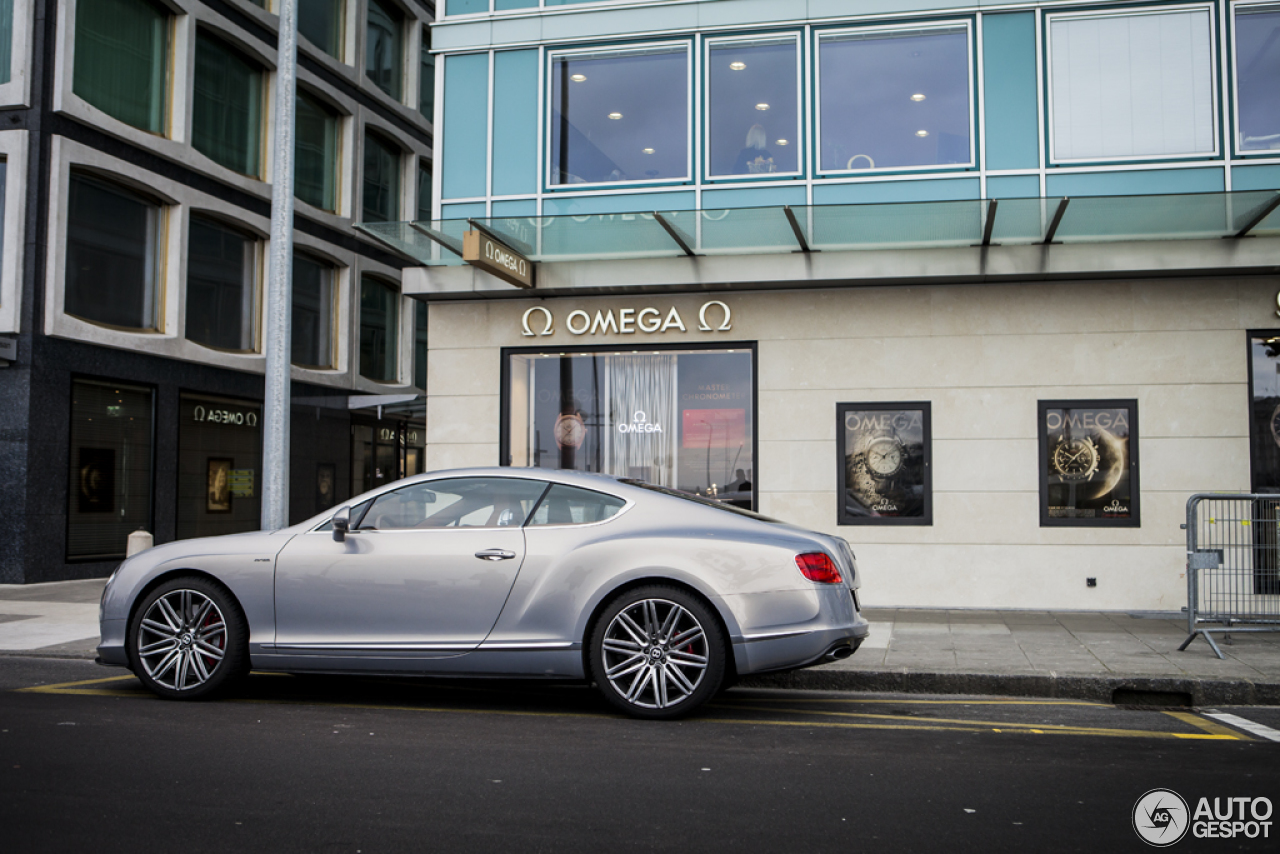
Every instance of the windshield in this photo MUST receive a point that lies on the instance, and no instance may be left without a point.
(698, 499)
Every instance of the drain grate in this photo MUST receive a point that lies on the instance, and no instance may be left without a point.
(1142, 698)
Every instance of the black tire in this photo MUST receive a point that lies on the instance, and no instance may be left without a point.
(188, 639)
(657, 652)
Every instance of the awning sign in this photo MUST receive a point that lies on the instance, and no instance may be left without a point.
(481, 250)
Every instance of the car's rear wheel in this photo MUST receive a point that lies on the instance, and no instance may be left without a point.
(657, 652)
(188, 639)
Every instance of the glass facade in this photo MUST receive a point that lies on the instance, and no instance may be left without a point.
(424, 191)
(321, 22)
(894, 99)
(379, 330)
(420, 344)
(753, 107)
(381, 196)
(383, 47)
(219, 466)
(113, 255)
(315, 164)
(313, 316)
(122, 59)
(620, 116)
(1257, 33)
(677, 418)
(427, 78)
(111, 468)
(226, 123)
(222, 289)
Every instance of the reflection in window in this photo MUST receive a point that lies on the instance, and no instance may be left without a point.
(379, 324)
(894, 99)
(121, 59)
(1257, 34)
(427, 78)
(420, 344)
(321, 22)
(673, 418)
(753, 116)
(619, 116)
(568, 505)
(424, 191)
(220, 286)
(113, 255)
(456, 503)
(226, 122)
(316, 156)
(219, 466)
(1131, 85)
(381, 197)
(312, 335)
(382, 51)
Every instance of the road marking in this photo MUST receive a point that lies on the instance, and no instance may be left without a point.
(897, 702)
(60, 688)
(1208, 726)
(1247, 725)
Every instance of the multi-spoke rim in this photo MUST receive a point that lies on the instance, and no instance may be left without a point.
(655, 653)
(182, 640)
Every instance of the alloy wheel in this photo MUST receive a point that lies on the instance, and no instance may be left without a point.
(182, 640)
(655, 653)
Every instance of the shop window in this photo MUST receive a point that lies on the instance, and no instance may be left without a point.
(221, 286)
(886, 467)
(315, 162)
(1264, 417)
(6, 40)
(321, 21)
(420, 344)
(424, 191)
(427, 78)
(226, 123)
(383, 48)
(219, 466)
(620, 116)
(113, 255)
(381, 198)
(1257, 42)
(675, 418)
(753, 107)
(567, 505)
(1089, 463)
(895, 99)
(122, 59)
(313, 317)
(111, 468)
(379, 327)
(1136, 85)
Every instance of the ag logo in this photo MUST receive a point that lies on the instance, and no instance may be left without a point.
(1160, 817)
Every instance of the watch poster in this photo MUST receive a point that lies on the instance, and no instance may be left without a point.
(1089, 463)
(884, 464)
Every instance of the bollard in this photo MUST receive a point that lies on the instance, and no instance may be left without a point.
(139, 541)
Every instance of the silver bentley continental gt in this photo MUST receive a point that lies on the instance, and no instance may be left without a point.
(658, 597)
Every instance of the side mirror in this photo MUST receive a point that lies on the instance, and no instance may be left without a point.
(341, 524)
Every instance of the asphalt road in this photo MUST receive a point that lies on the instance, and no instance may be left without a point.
(372, 765)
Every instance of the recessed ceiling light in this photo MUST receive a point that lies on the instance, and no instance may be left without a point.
(615, 116)
(922, 133)
(762, 106)
(578, 78)
(782, 142)
(737, 66)
(648, 151)
(917, 97)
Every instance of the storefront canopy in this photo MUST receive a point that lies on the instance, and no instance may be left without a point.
(817, 228)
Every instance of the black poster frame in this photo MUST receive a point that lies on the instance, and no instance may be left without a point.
(924, 407)
(1042, 461)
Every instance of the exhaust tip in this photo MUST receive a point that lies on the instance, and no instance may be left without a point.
(839, 653)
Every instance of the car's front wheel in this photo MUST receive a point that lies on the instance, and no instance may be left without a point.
(657, 652)
(188, 639)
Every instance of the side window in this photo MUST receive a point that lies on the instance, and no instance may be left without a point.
(490, 502)
(357, 511)
(566, 505)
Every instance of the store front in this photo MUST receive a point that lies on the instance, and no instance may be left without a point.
(384, 449)
(219, 466)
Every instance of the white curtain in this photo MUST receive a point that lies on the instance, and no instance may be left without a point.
(642, 417)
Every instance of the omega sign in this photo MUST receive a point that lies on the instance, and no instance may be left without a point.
(713, 316)
(481, 250)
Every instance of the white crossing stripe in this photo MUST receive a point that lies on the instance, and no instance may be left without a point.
(1246, 725)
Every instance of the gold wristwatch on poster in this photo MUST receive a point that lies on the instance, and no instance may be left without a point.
(1075, 459)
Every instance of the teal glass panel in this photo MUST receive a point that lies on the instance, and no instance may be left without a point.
(468, 7)
(379, 325)
(414, 241)
(640, 202)
(755, 197)
(220, 286)
(1255, 178)
(520, 207)
(953, 189)
(121, 59)
(315, 160)
(311, 338)
(226, 123)
(1152, 181)
(1009, 82)
(1022, 221)
(321, 21)
(1013, 186)
(420, 344)
(753, 114)
(470, 209)
(6, 40)
(427, 78)
(424, 191)
(515, 122)
(1169, 217)
(507, 5)
(614, 236)
(891, 226)
(385, 34)
(750, 230)
(381, 196)
(466, 126)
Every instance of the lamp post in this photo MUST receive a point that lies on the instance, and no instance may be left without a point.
(279, 296)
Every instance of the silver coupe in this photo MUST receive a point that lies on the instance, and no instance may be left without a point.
(658, 597)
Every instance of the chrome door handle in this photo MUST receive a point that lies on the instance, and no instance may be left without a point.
(495, 554)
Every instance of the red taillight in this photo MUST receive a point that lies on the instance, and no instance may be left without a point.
(818, 566)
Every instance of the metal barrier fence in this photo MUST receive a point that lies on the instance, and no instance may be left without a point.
(1233, 565)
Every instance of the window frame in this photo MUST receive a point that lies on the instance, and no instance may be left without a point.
(335, 168)
(801, 141)
(1233, 70)
(1046, 60)
(266, 73)
(335, 273)
(256, 286)
(1042, 463)
(549, 104)
(384, 139)
(971, 89)
(394, 325)
(403, 45)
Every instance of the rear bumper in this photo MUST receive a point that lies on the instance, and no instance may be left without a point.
(793, 651)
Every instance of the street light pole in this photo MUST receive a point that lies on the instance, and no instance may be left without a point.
(279, 297)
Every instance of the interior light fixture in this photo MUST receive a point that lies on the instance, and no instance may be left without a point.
(648, 151)
(922, 133)
(615, 116)
(762, 107)
(578, 78)
(782, 142)
(917, 97)
(738, 66)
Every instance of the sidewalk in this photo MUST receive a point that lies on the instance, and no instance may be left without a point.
(1075, 654)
